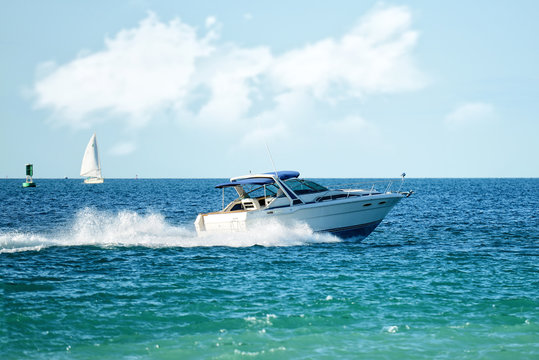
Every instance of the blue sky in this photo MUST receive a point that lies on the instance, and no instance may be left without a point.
(336, 89)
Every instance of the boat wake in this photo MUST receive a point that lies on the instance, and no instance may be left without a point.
(127, 228)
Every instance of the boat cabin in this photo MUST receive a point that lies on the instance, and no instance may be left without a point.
(270, 190)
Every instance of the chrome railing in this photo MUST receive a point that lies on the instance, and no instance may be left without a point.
(370, 187)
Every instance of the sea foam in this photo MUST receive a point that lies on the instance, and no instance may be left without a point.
(127, 228)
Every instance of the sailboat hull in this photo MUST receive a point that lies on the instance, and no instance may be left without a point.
(94, 181)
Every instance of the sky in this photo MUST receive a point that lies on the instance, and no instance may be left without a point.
(185, 89)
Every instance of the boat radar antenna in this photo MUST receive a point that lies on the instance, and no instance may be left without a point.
(271, 158)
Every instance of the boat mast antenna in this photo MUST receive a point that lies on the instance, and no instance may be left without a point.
(271, 158)
(402, 181)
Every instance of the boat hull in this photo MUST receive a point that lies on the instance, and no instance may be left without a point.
(350, 218)
(94, 181)
(358, 232)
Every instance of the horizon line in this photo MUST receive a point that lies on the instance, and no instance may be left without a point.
(310, 177)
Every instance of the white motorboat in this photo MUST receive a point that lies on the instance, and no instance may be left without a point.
(282, 196)
(91, 167)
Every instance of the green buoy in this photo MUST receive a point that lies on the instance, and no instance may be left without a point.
(29, 173)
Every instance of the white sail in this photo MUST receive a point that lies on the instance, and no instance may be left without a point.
(90, 162)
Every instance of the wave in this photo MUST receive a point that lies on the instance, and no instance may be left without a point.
(126, 228)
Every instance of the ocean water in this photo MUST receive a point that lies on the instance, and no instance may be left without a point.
(117, 271)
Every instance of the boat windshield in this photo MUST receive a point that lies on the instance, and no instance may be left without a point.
(302, 186)
(257, 191)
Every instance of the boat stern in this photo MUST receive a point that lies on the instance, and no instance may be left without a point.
(199, 223)
(221, 222)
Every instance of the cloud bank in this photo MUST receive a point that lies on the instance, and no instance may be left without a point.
(171, 67)
(469, 114)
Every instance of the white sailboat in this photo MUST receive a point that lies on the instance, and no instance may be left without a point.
(91, 167)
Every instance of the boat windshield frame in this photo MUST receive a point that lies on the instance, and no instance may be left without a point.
(268, 188)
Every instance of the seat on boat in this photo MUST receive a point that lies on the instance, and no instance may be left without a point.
(250, 204)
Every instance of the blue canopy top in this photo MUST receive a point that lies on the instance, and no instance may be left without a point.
(252, 181)
(283, 175)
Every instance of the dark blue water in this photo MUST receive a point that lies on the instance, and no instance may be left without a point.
(117, 271)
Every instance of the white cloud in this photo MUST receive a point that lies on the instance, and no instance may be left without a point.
(473, 113)
(353, 124)
(122, 149)
(210, 21)
(374, 57)
(140, 71)
(279, 124)
(261, 135)
(227, 75)
(295, 120)
(160, 66)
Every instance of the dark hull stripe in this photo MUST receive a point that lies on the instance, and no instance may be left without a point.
(356, 232)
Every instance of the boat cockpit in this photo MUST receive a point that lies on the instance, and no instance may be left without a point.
(280, 189)
(262, 196)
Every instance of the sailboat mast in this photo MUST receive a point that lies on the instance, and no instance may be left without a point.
(97, 154)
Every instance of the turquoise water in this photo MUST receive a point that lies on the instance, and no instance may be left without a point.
(116, 271)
